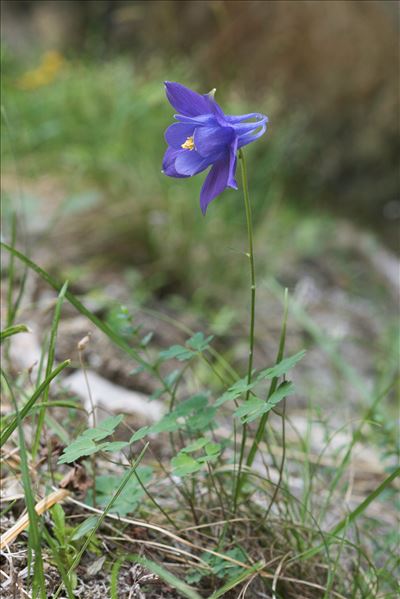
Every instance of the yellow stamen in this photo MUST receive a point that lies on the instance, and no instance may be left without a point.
(189, 144)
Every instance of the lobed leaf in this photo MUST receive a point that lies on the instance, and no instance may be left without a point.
(282, 367)
(183, 465)
(198, 342)
(177, 352)
(255, 407)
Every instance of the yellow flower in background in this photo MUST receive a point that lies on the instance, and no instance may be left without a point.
(52, 63)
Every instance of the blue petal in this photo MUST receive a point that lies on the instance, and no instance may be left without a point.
(232, 164)
(202, 119)
(216, 181)
(189, 163)
(168, 165)
(215, 107)
(211, 141)
(247, 138)
(178, 133)
(245, 117)
(186, 101)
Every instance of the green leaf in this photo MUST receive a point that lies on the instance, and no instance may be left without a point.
(255, 407)
(140, 433)
(198, 343)
(213, 449)
(79, 448)
(177, 352)
(171, 378)
(85, 444)
(114, 445)
(195, 403)
(183, 465)
(104, 429)
(235, 391)
(195, 446)
(285, 389)
(282, 367)
(201, 420)
(168, 424)
(85, 527)
(129, 498)
(251, 409)
(120, 320)
(193, 409)
(223, 568)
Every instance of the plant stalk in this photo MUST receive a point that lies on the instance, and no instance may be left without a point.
(250, 255)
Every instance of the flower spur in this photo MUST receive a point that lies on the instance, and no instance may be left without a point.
(205, 136)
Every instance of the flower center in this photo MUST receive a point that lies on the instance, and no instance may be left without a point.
(189, 144)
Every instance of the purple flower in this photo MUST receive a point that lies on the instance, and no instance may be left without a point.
(204, 136)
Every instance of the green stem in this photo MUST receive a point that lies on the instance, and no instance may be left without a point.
(272, 389)
(252, 314)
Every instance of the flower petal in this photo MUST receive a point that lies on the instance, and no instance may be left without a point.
(201, 119)
(216, 181)
(247, 138)
(189, 163)
(186, 101)
(245, 117)
(211, 141)
(168, 165)
(178, 133)
(232, 164)
(215, 107)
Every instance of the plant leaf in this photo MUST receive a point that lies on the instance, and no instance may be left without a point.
(84, 528)
(177, 352)
(235, 391)
(183, 465)
(195, 446)
(282, 367)
(255, 407)
(198, 342)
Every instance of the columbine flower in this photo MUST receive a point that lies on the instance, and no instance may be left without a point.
(205, 136)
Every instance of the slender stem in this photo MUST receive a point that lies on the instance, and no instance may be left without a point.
(250, 255)
(278, 485)
(272, 389)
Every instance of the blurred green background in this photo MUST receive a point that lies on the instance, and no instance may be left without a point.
(84, 114)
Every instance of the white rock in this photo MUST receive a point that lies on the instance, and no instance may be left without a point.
(108, 397)
(25, 352)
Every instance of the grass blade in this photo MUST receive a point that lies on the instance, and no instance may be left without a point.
(49, 366)
(13, 330)
(31, 402)
(34, 532)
